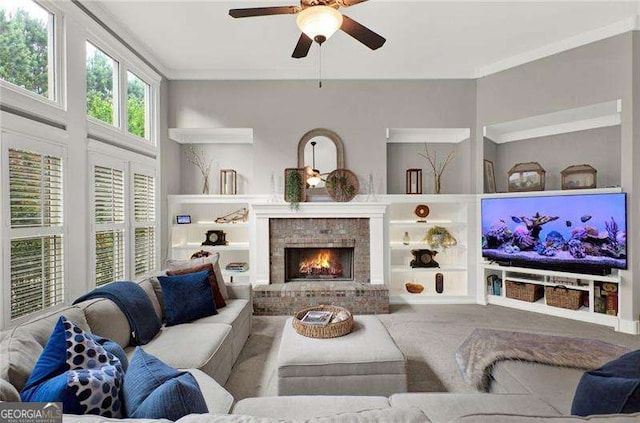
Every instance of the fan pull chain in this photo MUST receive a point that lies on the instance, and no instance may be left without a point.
(320, 66)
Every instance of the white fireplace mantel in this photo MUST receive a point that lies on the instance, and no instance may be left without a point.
(262, 212)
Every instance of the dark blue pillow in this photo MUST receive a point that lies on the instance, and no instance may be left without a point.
(154, 390)
(613, 388)
(75, 370)
(187, 297)
(114, 348)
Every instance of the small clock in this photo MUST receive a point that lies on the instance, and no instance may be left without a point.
(215, 237)
(423, 258)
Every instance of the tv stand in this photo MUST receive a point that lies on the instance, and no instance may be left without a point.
(590, 284)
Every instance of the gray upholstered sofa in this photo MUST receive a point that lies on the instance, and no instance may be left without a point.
(208, 347)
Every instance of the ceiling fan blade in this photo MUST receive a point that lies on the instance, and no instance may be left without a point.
(362, 33)
(347, 3)
(264, 11)
(303, 46)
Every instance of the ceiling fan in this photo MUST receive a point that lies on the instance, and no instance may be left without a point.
(318, 20)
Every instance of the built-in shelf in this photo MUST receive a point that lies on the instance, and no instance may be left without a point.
(428, 135)
(211, 135)
(594, 116)
(213, 223)
(444, 298)
(406, 269)
(426, 225)
(615, 278)
(232, 246)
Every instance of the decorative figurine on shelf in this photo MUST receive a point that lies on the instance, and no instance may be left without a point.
(406, 239)
(581, 176)
(200, 254)
(228, 182)
(423, 258)
(215, 237)
(414, 288)
(414, 181)
(241, 215)
(422, 211)
(439, 237)
(199, 158)
(437, 169)
(526, 177)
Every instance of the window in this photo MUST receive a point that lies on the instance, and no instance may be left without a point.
(109, 219)
(36, 214)
(26, 46)
(144, 199)
(137, 106)
(102, 86)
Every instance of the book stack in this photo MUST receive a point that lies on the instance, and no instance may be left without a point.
(317, 317)
(237, 267)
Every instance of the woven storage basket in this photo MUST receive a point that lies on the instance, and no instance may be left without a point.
(524, 291)
(331, 330)
(560, 296)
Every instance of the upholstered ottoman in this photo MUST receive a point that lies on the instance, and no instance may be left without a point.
(364, 362)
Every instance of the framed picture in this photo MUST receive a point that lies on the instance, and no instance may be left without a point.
(489, 177)
(183, 219)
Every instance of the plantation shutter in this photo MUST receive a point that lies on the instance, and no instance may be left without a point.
(144, 200)
(36, 218)
(109, 220)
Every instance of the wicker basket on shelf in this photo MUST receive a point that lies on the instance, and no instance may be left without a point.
(524, 291)
(560, 296)
(330, 330)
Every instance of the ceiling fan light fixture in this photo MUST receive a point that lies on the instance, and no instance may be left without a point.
(319, 22)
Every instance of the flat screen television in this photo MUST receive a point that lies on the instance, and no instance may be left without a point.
(580, 233)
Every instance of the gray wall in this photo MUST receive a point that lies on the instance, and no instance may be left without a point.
(594, 73)
(403, 156)
(598, 147)
(223, 156)
(281, 112)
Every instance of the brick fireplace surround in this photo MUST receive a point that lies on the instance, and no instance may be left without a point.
(319, 233)
(319, 224)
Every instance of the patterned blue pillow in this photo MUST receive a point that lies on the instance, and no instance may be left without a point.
(77, 371)
(154, 390)
(114, 348)
(187, 297)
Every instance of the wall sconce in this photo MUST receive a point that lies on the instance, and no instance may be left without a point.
(228, 182)
(414, 181)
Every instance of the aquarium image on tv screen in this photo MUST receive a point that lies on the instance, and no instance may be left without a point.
(585, 233)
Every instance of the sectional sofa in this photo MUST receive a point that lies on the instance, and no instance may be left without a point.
(209, 347)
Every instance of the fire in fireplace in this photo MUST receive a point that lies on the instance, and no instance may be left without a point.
(309, 264)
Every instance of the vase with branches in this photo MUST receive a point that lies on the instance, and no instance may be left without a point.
(437, 169)
(198, 158)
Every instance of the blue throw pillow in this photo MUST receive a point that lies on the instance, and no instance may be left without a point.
(114, 348)
(154, 390)
(613, 388)
(77, 371)
(187, 297)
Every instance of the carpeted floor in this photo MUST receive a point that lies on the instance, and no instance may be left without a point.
(428, 335)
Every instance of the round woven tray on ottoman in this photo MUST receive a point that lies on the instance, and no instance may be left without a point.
(330, 330)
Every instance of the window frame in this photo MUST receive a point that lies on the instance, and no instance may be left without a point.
(127, 62)
(117, 81)
(23, 99)
(12, 139)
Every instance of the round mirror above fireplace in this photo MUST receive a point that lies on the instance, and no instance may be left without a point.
(320, 151)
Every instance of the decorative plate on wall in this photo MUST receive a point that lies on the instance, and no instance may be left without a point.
(342, 185)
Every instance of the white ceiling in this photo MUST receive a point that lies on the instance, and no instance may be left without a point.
(425, 39)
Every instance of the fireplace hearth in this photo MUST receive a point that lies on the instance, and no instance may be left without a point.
(318, 264)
